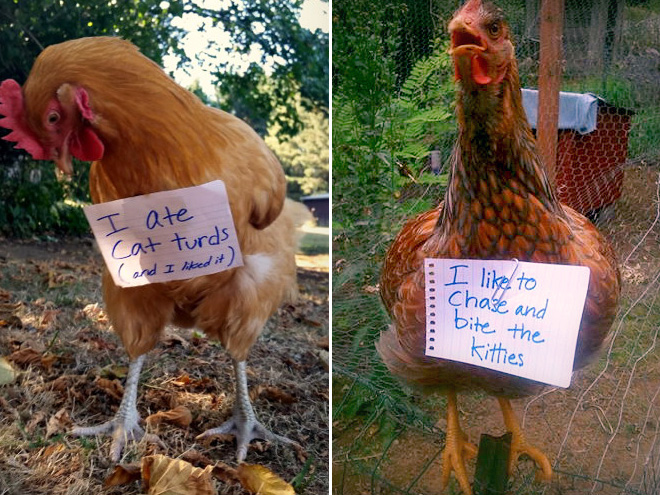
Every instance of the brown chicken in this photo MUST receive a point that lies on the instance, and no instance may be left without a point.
(99, 99)
(498, 205)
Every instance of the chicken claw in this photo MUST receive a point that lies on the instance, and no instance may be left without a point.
(125, 425)
(520, 446)
(457, 449)
(122, 430)
(244, 424)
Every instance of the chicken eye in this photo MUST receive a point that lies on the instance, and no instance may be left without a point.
(53, 118)
(494, 29)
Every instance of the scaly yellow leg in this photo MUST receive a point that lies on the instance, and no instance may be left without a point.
(520, 446)
(457, 449)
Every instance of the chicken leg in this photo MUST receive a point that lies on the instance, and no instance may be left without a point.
(244, 424)
(125, 424)
(520, 446)
(457, 449)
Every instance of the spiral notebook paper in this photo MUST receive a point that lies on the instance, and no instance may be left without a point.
(515, 317)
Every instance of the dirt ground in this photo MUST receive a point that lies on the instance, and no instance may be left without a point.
(70, 368)
(601, 434)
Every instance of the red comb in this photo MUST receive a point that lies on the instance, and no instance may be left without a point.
(11, 106)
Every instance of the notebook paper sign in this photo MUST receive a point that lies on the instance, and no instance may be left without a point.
(164, 236)
(515, 317)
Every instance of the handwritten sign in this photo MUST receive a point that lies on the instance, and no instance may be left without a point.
(169, 235)
(515, 317)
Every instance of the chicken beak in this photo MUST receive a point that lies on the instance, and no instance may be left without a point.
(464, 39)
(62, 157)
(468, 49)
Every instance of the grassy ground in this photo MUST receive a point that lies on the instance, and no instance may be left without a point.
(70, 369)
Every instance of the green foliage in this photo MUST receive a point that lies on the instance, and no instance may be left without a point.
(27, 27)
(297, 61)
(36, 202)
(614, 89)
(422, 116)
(384, 131)
(381, 150)
(619, 91)
(305, 156)
(644, 132)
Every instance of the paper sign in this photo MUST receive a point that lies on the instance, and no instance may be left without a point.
(169, 235)
(515, 317)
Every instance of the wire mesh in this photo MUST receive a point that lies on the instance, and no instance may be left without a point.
(602, 434)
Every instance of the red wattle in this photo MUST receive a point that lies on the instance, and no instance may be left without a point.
(480, 70)
(87, 146)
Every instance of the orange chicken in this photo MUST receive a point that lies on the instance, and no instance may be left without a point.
(499, 205)
(100, 100)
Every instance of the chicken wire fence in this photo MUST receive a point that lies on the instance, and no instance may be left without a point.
(602, 433)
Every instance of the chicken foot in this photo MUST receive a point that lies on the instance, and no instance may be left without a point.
(520, 446)
(244, 424)
(125, 424)
(457, 448)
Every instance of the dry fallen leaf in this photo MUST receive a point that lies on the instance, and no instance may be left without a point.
(8, 315)
(324, 343)
(113, 388)
(123, 475)
(166, 476)
(180, 416)
(196, 458)
(5, 295)
(38, 417)
(48, 317)
(301, 453)
(47, 360)
(25, 357)
(60, 422)
(182, 381)
(221, 471)
(95, 313)
(113, 371)
(52, 449)
(272, 394)
(171, 339)
(225, 473)
(262, 481)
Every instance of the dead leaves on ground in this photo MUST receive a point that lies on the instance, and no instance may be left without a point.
(124, 474)
(113, 388)
(28, 356)
(9, 313)
(163, 475)
(271, 393)
(57, 273)
(179, 416)
(60, 422)
(260, 480)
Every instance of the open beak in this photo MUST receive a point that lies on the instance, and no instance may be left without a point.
(465, 40)
(62, 157)
(469, 49)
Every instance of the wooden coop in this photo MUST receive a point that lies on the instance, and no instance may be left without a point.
(586, 167)
(592, 145)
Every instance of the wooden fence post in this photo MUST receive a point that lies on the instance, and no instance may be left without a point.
(550, 69)
(491, 476)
